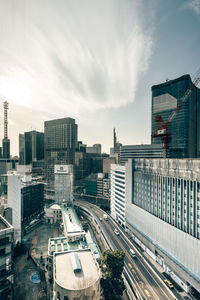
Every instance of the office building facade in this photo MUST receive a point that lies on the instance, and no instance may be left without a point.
(140, 151)
(184, 129)
(31, 147)
(163, 214)
(25, 197)
(63, 184)
(60, 140)
(117, 198)
(96, 148)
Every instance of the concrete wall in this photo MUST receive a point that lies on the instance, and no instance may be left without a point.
(178, 245)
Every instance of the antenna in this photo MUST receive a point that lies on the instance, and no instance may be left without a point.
(5, 120)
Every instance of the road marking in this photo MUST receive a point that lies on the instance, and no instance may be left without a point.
(130, 266)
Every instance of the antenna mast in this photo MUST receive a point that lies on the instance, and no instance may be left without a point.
(5, 120)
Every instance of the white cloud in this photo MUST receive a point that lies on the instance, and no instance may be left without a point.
(72, 56)
(195, 4)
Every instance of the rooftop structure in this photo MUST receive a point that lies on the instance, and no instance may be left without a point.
(77, 274)
(72, 225)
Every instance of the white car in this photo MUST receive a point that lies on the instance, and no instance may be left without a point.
(116, 231)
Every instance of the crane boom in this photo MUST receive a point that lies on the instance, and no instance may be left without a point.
(160, 129)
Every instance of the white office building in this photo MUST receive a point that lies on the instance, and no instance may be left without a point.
(163, 215)
(117, 203)
(63, 184)
(14, 201)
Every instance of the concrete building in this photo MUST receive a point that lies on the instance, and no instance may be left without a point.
(103, 185)
(74, 238)
(31, 147)
(24, 197)
(87, 163)
(60, 140)
(107, 161)
(140, 151)
(63, 184)
(184, 129)
(76, 276)
(6, 262)
(118, 200)
(96, 148)
(53, 214)
(163, 214)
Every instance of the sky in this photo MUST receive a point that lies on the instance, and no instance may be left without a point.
(92, 60)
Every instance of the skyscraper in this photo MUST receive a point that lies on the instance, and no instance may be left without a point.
(183, 130)
(60, 139)
(31, 147)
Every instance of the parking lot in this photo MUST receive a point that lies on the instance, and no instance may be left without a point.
(37, 241)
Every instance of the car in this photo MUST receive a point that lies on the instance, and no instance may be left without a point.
(132, 252)
(116, 231)
(168, 283)
(100, 219)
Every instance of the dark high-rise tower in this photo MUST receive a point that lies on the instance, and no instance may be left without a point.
(6, 141)
(183, 130)
(60, 139)
(114, 139)
(31, 147)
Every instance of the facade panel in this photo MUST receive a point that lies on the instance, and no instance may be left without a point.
(183, 129)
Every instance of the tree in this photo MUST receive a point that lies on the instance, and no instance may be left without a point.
(112, 264)
(42, 295)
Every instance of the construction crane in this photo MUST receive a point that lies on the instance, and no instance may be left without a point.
(161, 127)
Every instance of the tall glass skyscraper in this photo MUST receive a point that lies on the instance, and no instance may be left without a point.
(60, 139)
(31, 147)
(184, 131)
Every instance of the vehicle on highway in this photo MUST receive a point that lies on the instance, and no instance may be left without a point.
(132, 252)
(105, 217)
(116, 231)
(168, 283)
(100, 219)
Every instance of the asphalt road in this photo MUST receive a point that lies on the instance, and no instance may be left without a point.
(149, 285)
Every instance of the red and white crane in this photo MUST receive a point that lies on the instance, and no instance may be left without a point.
(161, 127)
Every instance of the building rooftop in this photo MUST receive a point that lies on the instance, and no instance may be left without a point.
(68, 278)
(4, 224)
(60, 244)
(71, 220)
(55, 206)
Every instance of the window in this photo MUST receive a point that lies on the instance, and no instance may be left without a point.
(2, 251)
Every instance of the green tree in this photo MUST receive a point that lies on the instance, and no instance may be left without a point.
(42, 295)
(112, 264)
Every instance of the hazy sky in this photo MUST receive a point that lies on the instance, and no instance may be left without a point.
(93, 60)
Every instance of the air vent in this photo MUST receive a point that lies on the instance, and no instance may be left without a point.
(76, 264)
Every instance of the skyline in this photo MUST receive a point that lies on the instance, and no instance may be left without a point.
(92, 61)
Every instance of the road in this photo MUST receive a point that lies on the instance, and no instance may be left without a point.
(148, 284)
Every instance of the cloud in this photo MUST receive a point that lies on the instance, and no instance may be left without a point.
(195, 5)
(72, 56)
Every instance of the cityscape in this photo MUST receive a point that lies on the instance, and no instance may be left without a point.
(91, 207)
